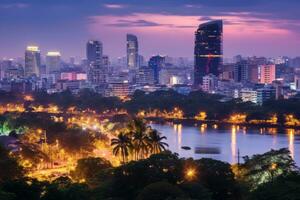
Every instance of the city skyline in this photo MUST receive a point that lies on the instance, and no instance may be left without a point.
(162, 27)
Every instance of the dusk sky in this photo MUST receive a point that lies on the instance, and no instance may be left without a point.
(251, 27)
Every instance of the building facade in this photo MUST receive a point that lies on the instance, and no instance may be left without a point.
(267, 73)
(156, 63)
(208, 52)
(53, 62)
(94, 53)
(132, 48)
(32, 61)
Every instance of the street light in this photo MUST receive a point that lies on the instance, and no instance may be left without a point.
(190, 173)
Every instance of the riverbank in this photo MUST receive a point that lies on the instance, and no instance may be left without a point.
(194, 122)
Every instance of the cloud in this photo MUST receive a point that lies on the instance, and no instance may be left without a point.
(133, 23)
(14, 5)
(114, 6)
(192, 6)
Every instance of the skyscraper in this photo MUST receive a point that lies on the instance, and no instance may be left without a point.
(132, 52)
(267, 74)
(94, 54)
(208, 50)
(32, 61)
(53, 62)
(156, 63)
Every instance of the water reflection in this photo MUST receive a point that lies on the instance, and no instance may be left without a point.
(291, 134)
(178, 129)
(233, 143)
(229, 139)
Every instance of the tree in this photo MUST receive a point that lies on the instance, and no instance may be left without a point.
(121, 146)
(155, 142)
(88, 168)
(137, 128)
(283, 187)
(160, 191)
(218, 177)
(24, 189)
(9, 167)
(263, 168)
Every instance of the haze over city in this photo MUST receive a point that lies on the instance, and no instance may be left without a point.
(258, 27)
(149, 100)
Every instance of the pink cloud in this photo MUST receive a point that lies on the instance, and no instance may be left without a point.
(163, 33)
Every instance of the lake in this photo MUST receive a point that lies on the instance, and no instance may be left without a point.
(232, 142)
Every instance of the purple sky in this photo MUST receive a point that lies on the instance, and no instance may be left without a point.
(252, 27)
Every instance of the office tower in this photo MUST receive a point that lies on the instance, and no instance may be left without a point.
(94, 54)
(4, 66)
(132, 52)
(72, 60)
(267, 74)
(241, 71)
(141, 61)
(53, 62)
(208, 50)
(210, 83)
(156, 63)
(297, 82)
(227, 72)
(105, 60)
(264, 94)
(32, 61)
(145, 76)
(253, 73)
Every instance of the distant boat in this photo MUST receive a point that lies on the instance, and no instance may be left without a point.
(207, 150)
(186, 148)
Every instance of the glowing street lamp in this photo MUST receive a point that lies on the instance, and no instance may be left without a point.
(190, 174)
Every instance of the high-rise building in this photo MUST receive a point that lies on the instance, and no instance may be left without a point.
(53, 62)
(210, 83)
(145, 76)
(241, 71)
(94, 54)
(132, 52)
(208, 52)
(32, 61)
(264, 94)
(267, 73)
(156, 63)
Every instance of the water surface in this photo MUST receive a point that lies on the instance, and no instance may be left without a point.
(234, 142)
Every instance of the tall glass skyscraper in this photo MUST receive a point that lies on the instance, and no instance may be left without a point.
(208, 50)
(156, 63)
(94, 54)
(32, 61)
(53, 62)
(132, 52)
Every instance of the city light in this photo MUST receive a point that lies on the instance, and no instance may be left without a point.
(190, 174)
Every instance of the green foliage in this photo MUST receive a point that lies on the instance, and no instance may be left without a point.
(283, 187)
(23, 189)
(265, 167)
(218, 177)
(138, 139)
(160, 191)
(9, 167)
(87, 169)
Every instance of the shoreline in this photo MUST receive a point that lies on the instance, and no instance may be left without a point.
(194, 122)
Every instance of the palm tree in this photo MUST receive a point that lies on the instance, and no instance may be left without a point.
(155, 142)
(122, 145)
(140, 145)
(137, 128)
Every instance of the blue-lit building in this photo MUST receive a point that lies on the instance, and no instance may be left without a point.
(156, 63)
(208, 54)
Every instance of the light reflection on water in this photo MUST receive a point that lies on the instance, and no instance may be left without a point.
(230, 140)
